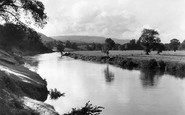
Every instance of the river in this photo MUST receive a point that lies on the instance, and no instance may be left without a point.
(120, 91)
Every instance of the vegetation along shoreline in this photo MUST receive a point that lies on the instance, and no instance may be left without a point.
(161, 63)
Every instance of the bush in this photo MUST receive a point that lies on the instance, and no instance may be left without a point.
(151, 64)
(55, 94)
(129, 64)
(162, 65)
(88, 109)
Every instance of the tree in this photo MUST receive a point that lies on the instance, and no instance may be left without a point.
(74, 46)
(32, 11)
(174, 44)
(68, 44)
(20, 36)
(148, 38)
(182, 46)
(132, 42)
(109, 43)
(160, 47)
(11, 34)
(60, 47)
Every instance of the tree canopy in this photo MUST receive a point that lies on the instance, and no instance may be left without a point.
(148, 39)
(23, 12)
(109, 45)
(182, 46)
(174, 43)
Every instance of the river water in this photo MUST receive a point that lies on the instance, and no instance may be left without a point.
(120, 91)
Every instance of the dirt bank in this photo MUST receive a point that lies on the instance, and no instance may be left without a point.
(21, 90)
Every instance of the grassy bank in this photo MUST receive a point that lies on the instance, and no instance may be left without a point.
(170, 62)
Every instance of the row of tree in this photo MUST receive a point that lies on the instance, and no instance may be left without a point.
(148, 41)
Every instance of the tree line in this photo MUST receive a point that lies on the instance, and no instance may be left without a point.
(148, 41)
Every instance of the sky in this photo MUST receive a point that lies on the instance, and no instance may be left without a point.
(123, 19)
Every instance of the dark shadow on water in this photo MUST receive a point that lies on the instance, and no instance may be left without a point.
(109, 76)
(150, 78)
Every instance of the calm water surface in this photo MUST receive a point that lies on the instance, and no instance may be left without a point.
(121, 92)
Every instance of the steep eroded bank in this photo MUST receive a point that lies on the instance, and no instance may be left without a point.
(21, 90)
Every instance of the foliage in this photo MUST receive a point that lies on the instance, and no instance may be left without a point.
(162, 65)
(74, 46)
(128, 63)
(68, 44)
(182, 45)
(60, 47)
(148, 38)
(11, 34)
(109, 43)
(88, 109)
(55, 94)
(160, 47)
(32, 10)
(174, 43)
(20, 36)
(151, 64)
(132, 45)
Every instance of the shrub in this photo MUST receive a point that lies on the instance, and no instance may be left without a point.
(122, 63)
(88, 109)
(55, 94)
(162, 65)
(151, 64)
(130, 64)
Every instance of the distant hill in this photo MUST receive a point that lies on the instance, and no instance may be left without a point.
(45, 38)
(87, 39)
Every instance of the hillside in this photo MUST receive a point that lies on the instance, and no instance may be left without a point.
(22, 91)
(45, 38)
(87, 39)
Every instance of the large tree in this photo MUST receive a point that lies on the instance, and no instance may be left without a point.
(148, 39)
(23, 12)
(174, 44)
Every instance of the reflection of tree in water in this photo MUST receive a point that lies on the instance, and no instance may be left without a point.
(150, 78)
(109, 76)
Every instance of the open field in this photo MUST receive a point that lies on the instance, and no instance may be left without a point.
(178, 56)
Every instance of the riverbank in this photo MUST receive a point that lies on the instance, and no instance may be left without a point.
(23, 92)
(167, 62)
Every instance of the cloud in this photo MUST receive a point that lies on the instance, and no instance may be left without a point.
(119, 18)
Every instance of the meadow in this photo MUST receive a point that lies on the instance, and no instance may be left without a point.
(178, 56)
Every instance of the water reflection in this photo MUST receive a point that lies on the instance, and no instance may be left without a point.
(127, 94)
(109, 76)
(150, 78)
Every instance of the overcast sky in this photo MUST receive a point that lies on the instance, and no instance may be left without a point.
(122, 19)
